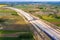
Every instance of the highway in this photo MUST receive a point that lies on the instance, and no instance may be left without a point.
(38, 24)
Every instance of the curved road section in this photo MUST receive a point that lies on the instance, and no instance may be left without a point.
(38, 24)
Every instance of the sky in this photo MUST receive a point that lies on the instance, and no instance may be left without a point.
(29, 0)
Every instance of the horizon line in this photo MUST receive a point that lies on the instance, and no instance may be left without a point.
(29, 1)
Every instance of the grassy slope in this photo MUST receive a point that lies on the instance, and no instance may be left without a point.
(50, 19)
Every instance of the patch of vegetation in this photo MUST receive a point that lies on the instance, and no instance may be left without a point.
(26, 35)
(8, 38)
(40, 16)
(49, 12)
(14, 14)
(2, 5)
(23, 36)
(12, 38)
(23, 6)
(2, 20)
(58, 25)
(8, 31)
(51, 19)
(12, 22)
(5, 10)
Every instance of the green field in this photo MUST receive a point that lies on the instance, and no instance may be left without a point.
(50, 19)
(10, 19)
(43, 12)
(22, 36)
(2, 5)
(12, 38)
(8, 31)
(13, 23)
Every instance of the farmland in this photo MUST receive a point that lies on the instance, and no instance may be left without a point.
(13, 26)
(1, 5)
(50, 13)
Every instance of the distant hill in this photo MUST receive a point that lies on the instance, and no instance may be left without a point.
(16, 3)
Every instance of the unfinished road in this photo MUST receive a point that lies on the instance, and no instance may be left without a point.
(39, 25)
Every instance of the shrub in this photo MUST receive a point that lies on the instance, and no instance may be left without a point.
(14, 14)
(2, 20)
(26, 36)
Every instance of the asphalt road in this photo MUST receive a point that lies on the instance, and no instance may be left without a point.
(38, 24)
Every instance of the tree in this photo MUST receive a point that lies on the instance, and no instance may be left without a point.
(55, 13)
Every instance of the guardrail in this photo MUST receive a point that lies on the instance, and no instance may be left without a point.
(39, 35)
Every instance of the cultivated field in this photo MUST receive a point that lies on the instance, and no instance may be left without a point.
(2, 5)
(13, 26)
(47, 12)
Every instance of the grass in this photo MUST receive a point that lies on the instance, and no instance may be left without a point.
(50, 19)
(1, 5)
(9, 38)
(23, 6)
(43, 9)
(12, 38)
(26, 35)
(12, 21)
(5, 10)
(2, 20)
(15, 14)
(8, 31)
(22, 36)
